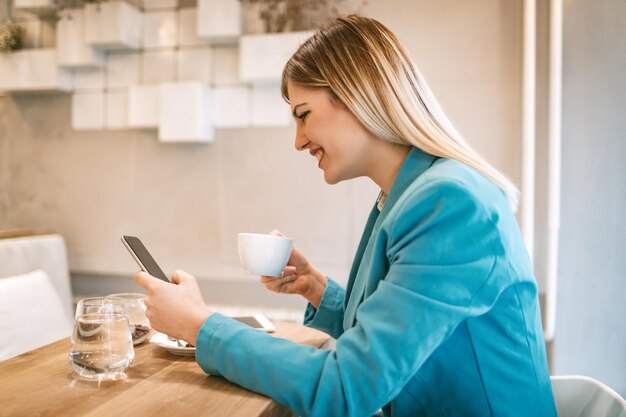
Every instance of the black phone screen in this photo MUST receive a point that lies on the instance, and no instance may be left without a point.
(143, 258)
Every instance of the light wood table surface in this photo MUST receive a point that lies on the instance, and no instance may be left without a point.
(42, 383)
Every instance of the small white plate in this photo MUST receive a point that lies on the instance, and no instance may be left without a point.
(172, 346)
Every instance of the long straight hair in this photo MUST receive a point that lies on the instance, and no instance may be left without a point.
(365, 66)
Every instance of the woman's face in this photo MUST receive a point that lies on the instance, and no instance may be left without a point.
(330, 133)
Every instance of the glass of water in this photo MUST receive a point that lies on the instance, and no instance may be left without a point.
(101, 344)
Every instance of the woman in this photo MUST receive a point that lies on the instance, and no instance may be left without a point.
(440, 315)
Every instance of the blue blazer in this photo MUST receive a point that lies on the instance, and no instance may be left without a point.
(440, 316)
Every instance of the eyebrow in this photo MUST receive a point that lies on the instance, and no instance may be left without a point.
(294, 109)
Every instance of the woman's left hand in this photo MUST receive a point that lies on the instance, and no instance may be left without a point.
(176, 310)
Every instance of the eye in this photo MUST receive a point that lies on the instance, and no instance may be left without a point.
(302, 116)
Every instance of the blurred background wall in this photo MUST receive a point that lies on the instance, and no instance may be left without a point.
(188, 202)
(590, 329)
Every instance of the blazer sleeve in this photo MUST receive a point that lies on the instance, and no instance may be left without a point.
(329, 316)
(442, 247)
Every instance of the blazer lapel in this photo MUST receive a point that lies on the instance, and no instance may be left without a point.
(415, 164)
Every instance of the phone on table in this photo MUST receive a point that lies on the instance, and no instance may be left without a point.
(258, 321)
(143, 258)
(147, 264)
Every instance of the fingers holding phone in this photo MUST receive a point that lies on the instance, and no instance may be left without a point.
(176, 310)
(145, 280)
(179, 276)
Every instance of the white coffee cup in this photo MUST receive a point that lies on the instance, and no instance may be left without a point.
(261, 254)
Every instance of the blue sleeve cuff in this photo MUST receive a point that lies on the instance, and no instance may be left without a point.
(215, 323)
(329, 316)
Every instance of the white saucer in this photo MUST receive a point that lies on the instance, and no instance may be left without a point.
(172, 346)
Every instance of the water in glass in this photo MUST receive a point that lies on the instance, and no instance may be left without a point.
(101, 343)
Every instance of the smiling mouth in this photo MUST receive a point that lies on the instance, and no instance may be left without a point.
(319, 155)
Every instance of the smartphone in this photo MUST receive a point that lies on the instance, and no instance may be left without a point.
(143, 258)
(258, 321)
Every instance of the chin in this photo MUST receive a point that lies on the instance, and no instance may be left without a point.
(329, 179)
(332, 179)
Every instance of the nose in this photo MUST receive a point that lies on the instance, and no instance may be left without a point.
(301, 139)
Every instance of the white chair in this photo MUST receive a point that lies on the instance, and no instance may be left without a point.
(35, 293)
(582, 396)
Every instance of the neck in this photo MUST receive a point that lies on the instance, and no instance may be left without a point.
(386, 163)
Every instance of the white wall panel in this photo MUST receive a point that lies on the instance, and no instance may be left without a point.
(122, 69)
(158, 67)
(219, 20)
(263, 57)
(187, 24)
(195, 65)
(185, 113)
(232, 106)
(88, 111)
(226, 66)
(268, 107)
(72, 50)
(33, 70)
(143, 106)
(113, 25)
(88, 79)
(160, 29)
(116, 110)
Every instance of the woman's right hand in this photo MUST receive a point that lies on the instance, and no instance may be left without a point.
(298, 277)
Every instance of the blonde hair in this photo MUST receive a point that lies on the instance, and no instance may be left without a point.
(365, 66)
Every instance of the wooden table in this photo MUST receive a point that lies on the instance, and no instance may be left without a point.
(42, 383)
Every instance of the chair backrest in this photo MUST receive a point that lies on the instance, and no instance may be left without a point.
(582, 396)
(31, 313)
(46, 252)
(35, 293)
